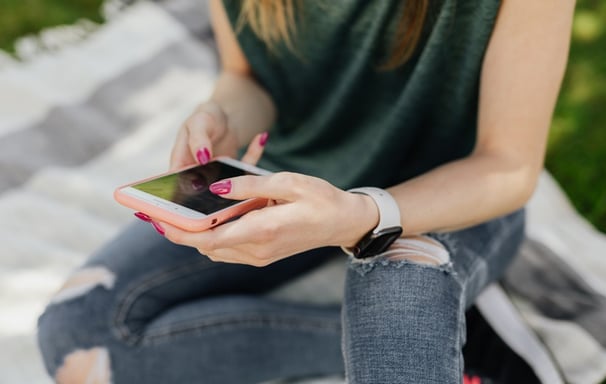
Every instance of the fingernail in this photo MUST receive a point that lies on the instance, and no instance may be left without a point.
(142, 216)
(221, 187)
(263, 139)
(203, 155)
(158, 227)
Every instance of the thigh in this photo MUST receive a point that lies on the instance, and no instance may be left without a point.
(150, 275)
(141, 290)
(479, 255)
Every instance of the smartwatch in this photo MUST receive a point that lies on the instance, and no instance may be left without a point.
(386, 232)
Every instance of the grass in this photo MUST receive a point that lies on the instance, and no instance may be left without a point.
(576, 154)
(24, 17)
(577, 143)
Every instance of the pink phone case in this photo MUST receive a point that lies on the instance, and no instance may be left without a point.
(186, 223)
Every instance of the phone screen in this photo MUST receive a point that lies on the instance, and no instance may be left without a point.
(189, 188)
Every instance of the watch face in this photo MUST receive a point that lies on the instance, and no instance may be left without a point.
(376, 243)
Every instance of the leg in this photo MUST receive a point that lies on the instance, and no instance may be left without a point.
(146, 310)
(404, 315)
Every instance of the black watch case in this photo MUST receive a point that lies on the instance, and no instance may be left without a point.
(376, 243)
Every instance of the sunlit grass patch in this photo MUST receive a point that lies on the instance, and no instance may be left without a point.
(587, 26)
(24, 17)
(577, 144)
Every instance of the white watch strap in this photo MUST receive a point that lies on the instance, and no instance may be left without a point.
(389, 211)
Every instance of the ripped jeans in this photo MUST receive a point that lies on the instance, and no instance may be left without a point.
(150, 311)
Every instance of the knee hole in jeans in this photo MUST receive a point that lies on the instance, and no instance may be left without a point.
(84, 280)
(91, 366)
(417, 249)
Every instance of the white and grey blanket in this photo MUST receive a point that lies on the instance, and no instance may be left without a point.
(80, 120)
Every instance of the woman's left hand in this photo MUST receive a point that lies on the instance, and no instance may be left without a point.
(304, 212)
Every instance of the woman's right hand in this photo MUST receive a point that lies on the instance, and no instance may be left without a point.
(204, 135)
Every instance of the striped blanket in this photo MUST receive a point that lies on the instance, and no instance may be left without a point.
(81, 119)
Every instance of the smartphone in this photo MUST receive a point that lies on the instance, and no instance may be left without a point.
(183, 199)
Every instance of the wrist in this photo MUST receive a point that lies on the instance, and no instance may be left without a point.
(389, 227)
(365, 218)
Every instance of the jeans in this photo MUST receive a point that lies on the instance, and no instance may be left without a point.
(163, 313)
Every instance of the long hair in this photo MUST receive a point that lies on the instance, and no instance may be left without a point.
(273, 21)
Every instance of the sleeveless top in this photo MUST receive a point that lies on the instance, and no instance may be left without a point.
(344, 120)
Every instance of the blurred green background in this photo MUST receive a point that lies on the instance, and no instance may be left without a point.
(23, 17)
(577, 144)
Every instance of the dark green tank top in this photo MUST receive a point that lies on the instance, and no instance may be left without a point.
(342, 119)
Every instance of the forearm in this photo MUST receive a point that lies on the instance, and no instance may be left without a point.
(520, 79)
(463, 193)
(248, 107)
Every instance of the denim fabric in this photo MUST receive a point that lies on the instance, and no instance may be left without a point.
(174, 316)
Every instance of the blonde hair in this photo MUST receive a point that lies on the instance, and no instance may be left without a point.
(273, 21)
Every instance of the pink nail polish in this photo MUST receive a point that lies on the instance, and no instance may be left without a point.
(158, 228)
(142, 216)
(203, 155)
(263, 139)
(221, 187)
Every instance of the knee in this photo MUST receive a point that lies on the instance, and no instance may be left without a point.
(419, 250)
(82, 365)
(74, 328)
(85, 366)
(414, 274)
(83, 281)
(402, 307)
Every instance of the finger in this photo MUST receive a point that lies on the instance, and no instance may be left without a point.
(239, 256)
(178, 235)
(199, 144)
(180, 156)
(217, 245)
(255, 227)
(282, 186)
(255, 149)
(205, 126)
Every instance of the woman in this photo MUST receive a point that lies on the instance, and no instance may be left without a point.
(445, 105)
